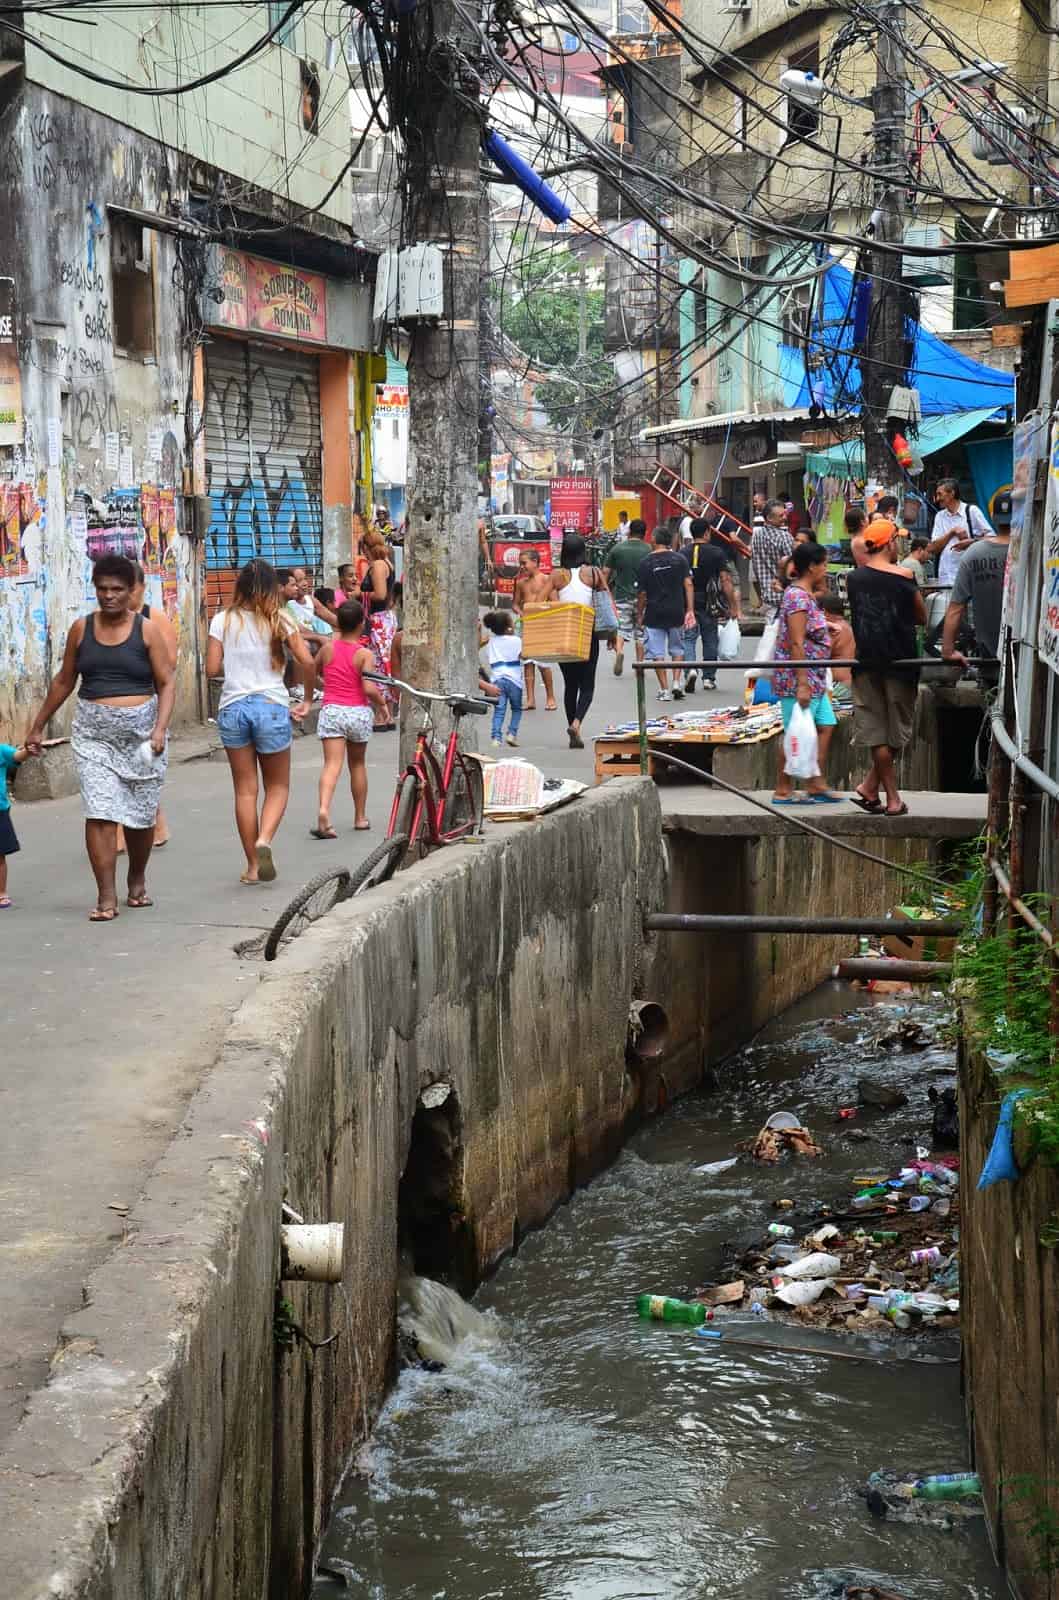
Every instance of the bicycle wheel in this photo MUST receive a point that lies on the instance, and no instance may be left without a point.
(313, 901)
(462, 812)
(380, 866)
(405, 819)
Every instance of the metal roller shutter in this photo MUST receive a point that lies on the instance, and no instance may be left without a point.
(263, 461)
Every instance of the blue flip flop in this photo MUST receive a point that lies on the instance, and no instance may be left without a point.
(791, 802)
(826, 799)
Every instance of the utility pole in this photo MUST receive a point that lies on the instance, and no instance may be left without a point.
(886, 344)
(441, 206)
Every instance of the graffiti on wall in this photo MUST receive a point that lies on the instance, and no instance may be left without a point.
(262, 505)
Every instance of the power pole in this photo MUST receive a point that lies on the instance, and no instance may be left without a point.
(441, 206)
(886, 345)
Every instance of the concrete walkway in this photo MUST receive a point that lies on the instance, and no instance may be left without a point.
(110, 1027)
(700, 808)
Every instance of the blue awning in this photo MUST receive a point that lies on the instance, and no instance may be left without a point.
(948, 382)
(935, 433)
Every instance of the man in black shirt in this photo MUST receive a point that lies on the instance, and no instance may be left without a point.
(666, 606)
(885, 608)
(716, 599)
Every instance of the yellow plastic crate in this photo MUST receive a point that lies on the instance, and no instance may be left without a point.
(558, 632)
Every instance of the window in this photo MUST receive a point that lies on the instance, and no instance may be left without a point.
(968, 309)
(310, 102)
(795, 317)
(702, 316)
(740, 119)
(132, 286)
(276, 13)
(803, 121)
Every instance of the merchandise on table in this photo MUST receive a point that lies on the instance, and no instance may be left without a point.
(720, 725)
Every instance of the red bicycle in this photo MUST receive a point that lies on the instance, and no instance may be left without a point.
(437, 802)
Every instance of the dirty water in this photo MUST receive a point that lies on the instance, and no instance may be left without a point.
(581, 1454)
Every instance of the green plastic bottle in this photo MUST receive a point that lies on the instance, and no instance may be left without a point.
(885, 1237)
(948, 1486)
(664, 1309)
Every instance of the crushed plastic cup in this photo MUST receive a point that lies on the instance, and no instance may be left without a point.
(921, 1202)
(783, 1119)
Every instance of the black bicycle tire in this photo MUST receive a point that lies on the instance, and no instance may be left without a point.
(407, 803)
(391, 851)
(476, 789)
(291, 909)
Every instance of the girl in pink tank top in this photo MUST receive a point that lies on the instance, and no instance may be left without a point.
(346, 715)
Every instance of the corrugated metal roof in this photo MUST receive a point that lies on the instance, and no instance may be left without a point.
(722, 420)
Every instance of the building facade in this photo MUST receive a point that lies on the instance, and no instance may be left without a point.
(189, 376)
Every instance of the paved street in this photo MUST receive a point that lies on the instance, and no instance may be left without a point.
(110, 1027)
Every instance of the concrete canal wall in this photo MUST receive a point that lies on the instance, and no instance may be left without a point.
(189, 1440)
(1010, 1305)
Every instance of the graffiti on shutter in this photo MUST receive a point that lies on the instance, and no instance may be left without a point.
(263, 462)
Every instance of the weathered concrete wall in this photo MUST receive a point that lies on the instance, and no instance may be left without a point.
(744, 980)
(1010, 1305)
(61, 166)
(174, 1423)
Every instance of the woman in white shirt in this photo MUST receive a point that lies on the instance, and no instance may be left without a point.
(248, 645)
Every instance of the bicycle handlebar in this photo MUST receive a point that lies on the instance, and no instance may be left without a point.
(427, 694)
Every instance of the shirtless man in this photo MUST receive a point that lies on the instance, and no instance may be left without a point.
(533, 587)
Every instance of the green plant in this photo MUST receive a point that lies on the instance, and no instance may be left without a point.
(1035, 1517)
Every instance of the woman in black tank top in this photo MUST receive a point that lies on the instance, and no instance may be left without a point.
(119, 730)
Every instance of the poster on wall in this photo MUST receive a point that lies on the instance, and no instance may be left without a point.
(1048, 632)
(10, 376)
(114, 526)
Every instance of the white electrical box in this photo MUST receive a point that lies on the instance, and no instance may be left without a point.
(421, 283)
(385, 308)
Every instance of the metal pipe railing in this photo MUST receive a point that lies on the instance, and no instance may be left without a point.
(1018, 905)
(901, 927)
(1036, 774)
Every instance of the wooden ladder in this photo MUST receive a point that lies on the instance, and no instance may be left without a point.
(692, 502)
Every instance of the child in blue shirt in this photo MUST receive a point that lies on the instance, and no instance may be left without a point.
(11, 758)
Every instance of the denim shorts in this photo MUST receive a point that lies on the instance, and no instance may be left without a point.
(663, 643)
(255, 720)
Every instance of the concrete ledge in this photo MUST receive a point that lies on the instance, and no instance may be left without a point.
(177, 1449)
(700, 810)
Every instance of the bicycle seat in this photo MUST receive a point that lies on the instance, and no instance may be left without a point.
(462, 707)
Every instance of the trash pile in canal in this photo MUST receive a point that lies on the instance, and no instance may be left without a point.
(889, 1259)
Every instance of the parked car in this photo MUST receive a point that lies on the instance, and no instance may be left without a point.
(519, 525)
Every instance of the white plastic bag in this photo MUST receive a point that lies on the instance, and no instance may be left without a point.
(817, 1265)
(766, 650)
(805, 1292)
(729, 640)
(800, 746)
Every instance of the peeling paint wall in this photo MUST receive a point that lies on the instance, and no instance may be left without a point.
(99, 464)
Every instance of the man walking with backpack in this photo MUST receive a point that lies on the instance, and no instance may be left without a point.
(716, 599)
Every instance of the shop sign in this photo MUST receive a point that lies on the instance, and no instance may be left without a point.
(391, 397)
(572, 504)
(268, 297)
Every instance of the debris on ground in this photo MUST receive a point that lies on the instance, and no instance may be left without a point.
(905, 1036)
(889, 1262)
(710, 1169)
(945, 1127)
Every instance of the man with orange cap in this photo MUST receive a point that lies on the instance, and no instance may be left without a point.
(885, 609)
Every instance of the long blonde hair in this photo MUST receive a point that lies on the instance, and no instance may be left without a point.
(257, 592)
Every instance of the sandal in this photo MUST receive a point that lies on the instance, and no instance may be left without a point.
(266, 867)
(903, 812)
(791, 800)
(103, 914)
(322, 833)
(872, 807)
(5, 902)
(140, 901)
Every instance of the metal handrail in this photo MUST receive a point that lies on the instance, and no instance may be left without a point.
(1019, 906)
(1029, 768)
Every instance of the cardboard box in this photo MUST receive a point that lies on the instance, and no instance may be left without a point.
(918, 947)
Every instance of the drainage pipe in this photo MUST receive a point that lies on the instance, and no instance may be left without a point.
(311, 1253)
(902, 971)
(902, 928)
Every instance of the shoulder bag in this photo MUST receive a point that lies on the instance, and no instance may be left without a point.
(606, 623)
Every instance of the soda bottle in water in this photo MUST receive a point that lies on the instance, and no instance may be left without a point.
(781, 1230)
(662, 1308)
(948, 1486)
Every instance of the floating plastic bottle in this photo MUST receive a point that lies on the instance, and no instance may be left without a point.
(920, 1202)
(663, 1308)
(781, 1230)
(947, 1486)
(882, 1237)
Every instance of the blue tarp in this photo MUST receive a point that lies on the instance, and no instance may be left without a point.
(947, 381)
(935, 434)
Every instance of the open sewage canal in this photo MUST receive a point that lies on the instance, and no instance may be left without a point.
(569, 1449)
